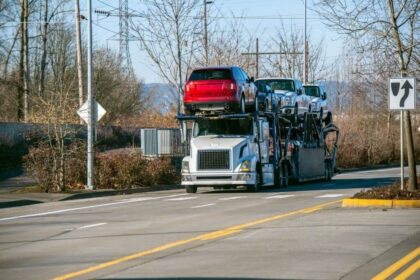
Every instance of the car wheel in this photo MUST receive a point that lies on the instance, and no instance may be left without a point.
(295, 114)
(191, 189)
(328, 119)
(242, 106)
(321, 114)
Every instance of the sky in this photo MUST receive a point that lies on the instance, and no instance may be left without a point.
(261, 16)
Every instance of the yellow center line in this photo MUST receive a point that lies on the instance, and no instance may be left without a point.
(409, 271)
(397, 265)
(207, 236)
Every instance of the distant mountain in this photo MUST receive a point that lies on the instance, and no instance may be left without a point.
(160, 96)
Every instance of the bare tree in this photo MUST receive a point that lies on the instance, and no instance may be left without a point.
(390, 26)
(167, 34)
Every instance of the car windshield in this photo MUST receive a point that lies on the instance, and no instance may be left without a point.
(211, 74)
(281, 85)
(223, 127)
(312, 91)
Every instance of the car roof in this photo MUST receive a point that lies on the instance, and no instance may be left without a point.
(277, 78)
(214, 67)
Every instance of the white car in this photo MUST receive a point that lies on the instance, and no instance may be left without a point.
(319, 102)
(288, 95)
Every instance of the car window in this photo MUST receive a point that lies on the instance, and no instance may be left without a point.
(312, 91)
(246, 78)
(237, 74)
(211, 74)
(281, 85)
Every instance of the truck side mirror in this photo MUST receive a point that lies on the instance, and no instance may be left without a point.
(251, 80)
(299, 91)
(324, 96)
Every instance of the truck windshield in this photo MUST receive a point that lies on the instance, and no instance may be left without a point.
(312, 91)
(281, 85)
(223, 127)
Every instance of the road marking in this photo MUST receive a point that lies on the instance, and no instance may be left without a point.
(204, 205)
(397, 265)
(409, 271)
(232, 198)
(280, 196)
(203, 237)
(181, 198)
(93, 225)
(125, 201)
(330, 195)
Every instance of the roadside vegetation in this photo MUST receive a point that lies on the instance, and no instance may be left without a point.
(389, 192)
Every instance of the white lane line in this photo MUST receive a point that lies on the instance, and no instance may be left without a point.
(93, 225)
(280, 196)
(330, 195)
(204, 205)
(181, 198)
(125, 201)
(232, 198)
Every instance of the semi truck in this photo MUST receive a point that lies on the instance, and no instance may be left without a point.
(256, 150)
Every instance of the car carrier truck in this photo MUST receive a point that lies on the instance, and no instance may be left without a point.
(256, 150)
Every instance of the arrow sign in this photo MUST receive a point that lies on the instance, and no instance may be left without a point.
(98, 110)
(402, 94)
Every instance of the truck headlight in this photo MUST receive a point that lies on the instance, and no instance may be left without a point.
(287, 100)
(185, 167)
(245, 166)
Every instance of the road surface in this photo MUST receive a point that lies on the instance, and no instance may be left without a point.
(300, 232)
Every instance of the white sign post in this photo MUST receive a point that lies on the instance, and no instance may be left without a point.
(402, 96)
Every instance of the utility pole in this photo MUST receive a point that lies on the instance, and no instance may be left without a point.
(305, 55)
(258, 53)
(79, 52)
(206, 44)
(91, 114)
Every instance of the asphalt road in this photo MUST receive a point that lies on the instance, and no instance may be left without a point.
(300, 232)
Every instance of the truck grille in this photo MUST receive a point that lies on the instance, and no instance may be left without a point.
(213, 159)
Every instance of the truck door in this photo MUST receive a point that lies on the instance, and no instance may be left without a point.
(264, 141)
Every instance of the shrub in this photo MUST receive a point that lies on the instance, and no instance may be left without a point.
(43, 162)
(128, 168)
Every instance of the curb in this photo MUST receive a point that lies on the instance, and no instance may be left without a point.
(380, 203)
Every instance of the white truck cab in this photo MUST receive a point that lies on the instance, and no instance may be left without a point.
(228, 152)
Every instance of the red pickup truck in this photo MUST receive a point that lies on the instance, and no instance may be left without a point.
(222, 88)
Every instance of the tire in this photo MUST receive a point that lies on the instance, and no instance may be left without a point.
(321, 113)
(284, 179)
(328, 119)
(242, 105)
(295, 115)
(256, 186)
(191, 189)
(328, 171)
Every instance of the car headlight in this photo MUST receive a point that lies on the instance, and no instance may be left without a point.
(185, 167)
(288, 100)
(245, 166)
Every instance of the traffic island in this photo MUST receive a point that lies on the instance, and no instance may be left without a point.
(385, 197)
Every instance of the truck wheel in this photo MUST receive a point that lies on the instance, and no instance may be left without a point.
(256, 186)
(284, 176)
(191, 189)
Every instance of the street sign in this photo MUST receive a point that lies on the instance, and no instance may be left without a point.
(402, 94)
(97, 109)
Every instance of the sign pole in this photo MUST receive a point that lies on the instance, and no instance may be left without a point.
(91, 120)
(402, 148)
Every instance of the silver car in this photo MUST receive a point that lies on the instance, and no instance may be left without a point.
(319, 102)
(288, 96)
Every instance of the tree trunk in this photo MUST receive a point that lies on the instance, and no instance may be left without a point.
(43, 50)
(25, 53)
